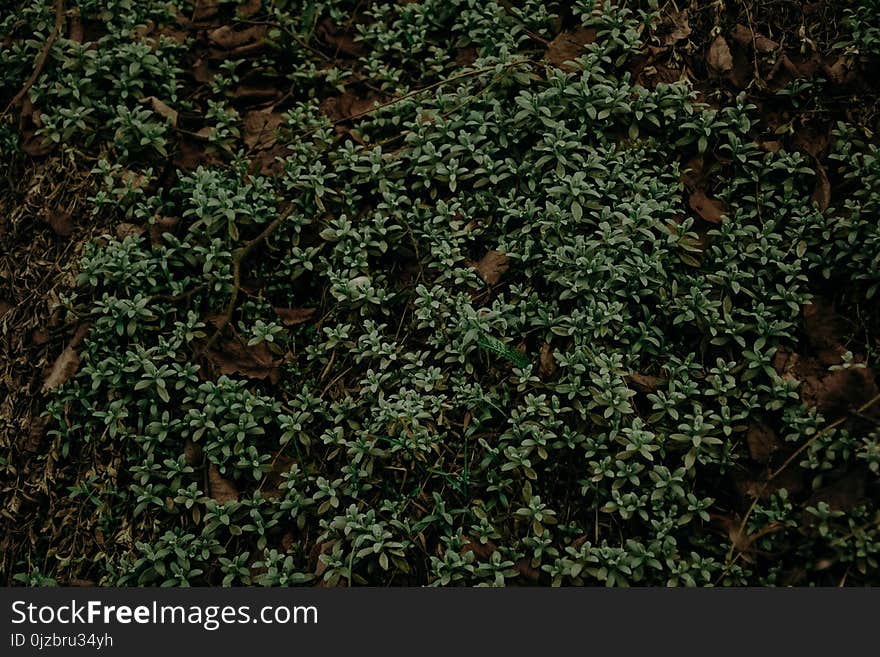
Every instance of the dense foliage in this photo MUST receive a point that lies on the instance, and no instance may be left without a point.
(478, 334)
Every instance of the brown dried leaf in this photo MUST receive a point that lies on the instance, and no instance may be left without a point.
(765, 45)
(839, 391)
(294, 316)
(260, 126)
(482, 551)
(256, 94)
(40, 336)
(318, 565)
(193, 453)
(680, 28)
(125, 229)
(76, 33)
(547, 364)
(491, 266)
(719, 57)
(524, 567)
(644, 382)
(160, 226)
(269, 162)
(248, 8)
(812, 138)
(748, 39)
(822, 190)
(339, 38)
(346, 106)
(843, 494)
(568, 46)
(34, 145)
(255, 362)
(161, 109)
(841, 72)
(60, 222)
(79, 335)
(205, 10)
(824, 328)
(36, 433)
(227, 37)
(65, 367)
(202, 71)
(762, 442)
(222, 490)
(711, 210)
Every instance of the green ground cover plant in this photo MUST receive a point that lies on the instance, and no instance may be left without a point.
(473, 300)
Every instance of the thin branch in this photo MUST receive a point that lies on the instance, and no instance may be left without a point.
(416, 92)
(237, 259)
(41, 59)
(791, 459)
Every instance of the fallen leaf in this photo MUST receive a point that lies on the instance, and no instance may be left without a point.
(269, 162)
(645, 383)
(813, 138)
(712, 210)
(256, 94)
(751, 487)
(221, 490)
(161, 109)
(839, 391)
(65, 366)
(568, 46)
(202, 71)
(318, 565)
(76, 33)
(547, 364)
(161, 225)
(260, 126)
(255, 362)
(822, 189)
(491, 266)
(482, 551)
(681, 28)
(125, 229)
(841, 72)
(193, 453)
(341, 39)
(34, 145)
(762, 442)
(466, 56)
(35, 434)
(227, 37)
(205, 10)
(79, 335)
(824, 328)
(524, 567)
(746, 38)
(192, 154)
(294, 316)
(248, 8)
(742, 541)
(346, 106)
(844, 493)
(719, 57)
(60, 222)
(40, 336)
(81, 583)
